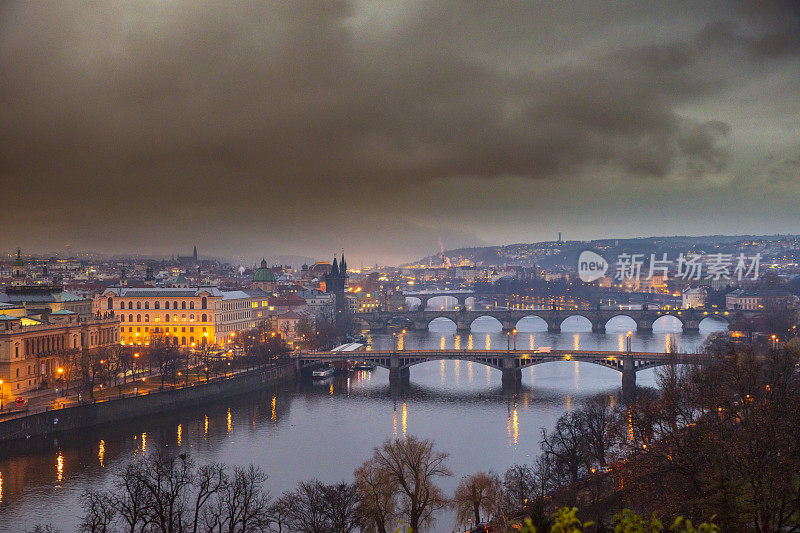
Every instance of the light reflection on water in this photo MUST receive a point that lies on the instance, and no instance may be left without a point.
(325, 430)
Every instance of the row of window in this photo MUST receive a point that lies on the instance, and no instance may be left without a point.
(203, 318)
(157, 304)
(158, 329)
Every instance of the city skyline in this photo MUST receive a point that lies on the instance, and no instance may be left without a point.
(391, 130)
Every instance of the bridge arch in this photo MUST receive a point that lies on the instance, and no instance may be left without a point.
(620, 322)
(531, 323)
(492, 362)
(443, 302)
(576, 322)
(486, 324)
(413, 303)
(441, 323)
(716, 322)
(668, 322)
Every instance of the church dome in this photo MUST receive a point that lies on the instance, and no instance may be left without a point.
(263, 274)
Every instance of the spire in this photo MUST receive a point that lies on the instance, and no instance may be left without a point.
(335, 267)
(343, 268)
(194, 255)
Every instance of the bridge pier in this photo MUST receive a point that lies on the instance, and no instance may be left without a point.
(628, 377)
(644, 326)
(554, 327)
(420, 325)
(691, 325)
(463, 325)
(512, 374)
(397, 374)
(599, 327)
(509, 326)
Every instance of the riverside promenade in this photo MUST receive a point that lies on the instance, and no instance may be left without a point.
(138, 398)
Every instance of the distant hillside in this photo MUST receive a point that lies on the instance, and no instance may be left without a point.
(553, 253)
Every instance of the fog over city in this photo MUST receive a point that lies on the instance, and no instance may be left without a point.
(388, 127)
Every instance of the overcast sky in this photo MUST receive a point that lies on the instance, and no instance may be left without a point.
(385, 128)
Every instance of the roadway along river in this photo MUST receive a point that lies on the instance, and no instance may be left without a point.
(325, 430)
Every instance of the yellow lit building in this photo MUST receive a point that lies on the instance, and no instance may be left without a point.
(191, 316)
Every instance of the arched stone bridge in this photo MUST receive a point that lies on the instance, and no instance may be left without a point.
(690, 318)
(510, 362)
(423, 296)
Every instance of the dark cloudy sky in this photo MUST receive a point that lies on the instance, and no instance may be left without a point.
(384, 127)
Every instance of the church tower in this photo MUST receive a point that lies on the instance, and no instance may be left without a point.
(18, 271)
(336, 283)
(194, 254)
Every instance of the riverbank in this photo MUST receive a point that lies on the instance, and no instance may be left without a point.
(117, 409)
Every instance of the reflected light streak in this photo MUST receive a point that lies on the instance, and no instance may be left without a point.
(101, 452)
(515, 425)
(274, 416)
(488, 375)
(441, 370)
(531, 342)
(469, 371)
(331, 389)
(60, 467)
(205, 430)
(457, 344)
(230, 421)
(576, 341)
(144, 442)
(394, 423)
(488, 341)
(1, 487)
(469, 342)
(457, 369)
(405, 419)
(179, 439)
(441, 344)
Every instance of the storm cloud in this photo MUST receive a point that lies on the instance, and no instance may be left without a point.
(303, 127)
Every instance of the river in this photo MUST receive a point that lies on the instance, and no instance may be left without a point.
(325, 430)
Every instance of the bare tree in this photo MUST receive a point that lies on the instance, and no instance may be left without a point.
(598, 419)
(476, 493)
(413, 466)
(241, 504)
(341, 507)
(99, 512)
(519, 488)
(307, 512)
(279, 513)
(566, 444)
(378, 496)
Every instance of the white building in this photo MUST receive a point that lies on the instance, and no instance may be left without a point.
(694, 298)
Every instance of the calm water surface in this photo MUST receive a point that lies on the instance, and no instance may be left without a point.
(325, 430)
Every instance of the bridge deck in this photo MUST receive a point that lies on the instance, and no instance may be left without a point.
(598, 354)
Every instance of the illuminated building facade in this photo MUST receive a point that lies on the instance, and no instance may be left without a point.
(190, 316)
(31, 351)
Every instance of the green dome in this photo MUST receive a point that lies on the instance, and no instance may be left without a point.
(263, 274)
